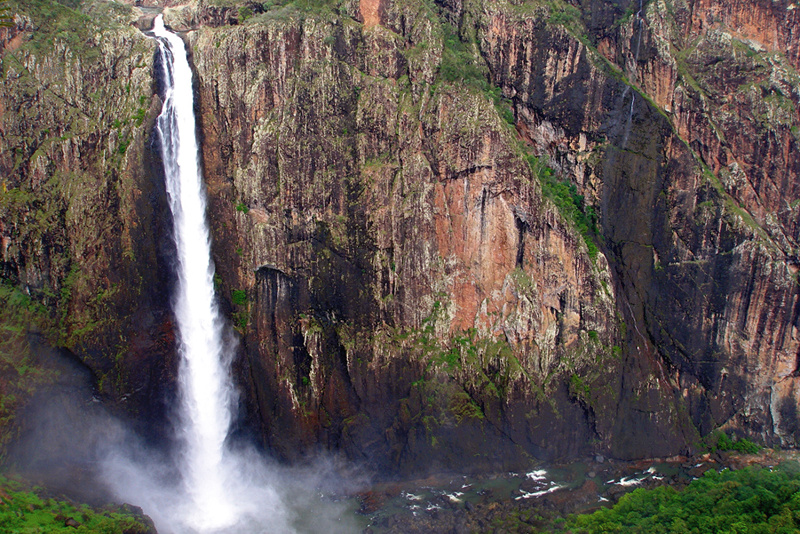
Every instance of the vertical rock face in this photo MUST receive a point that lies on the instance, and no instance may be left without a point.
(747, 136)
(413, 285)
(79, 207)
(411, 297)
(696, 179)
(397, 252)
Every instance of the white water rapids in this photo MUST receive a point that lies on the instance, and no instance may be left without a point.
(208, 488)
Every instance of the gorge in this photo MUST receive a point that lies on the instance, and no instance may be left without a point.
(450, 235)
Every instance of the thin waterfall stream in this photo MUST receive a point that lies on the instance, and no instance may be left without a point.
(633, 74)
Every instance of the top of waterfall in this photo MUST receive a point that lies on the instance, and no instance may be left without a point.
(158, 23)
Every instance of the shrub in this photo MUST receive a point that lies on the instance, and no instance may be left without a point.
(245, 12)
(239, 297)
(748, 500)
(721, 441)
(459, 64)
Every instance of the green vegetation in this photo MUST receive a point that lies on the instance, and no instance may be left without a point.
(502, 104)
(6, 17)
(242, 207)
(752, 500)
(564, 14)
(242, 316)
(123, 145)
(240, 320)
(315, 6)
(141, 113)
(578, 388)
(569, 203)
(20, 314)
(59, 22)
(516, 521)
(459, 62)
(625, 17)
(462, 406)
(27, 512)
(462, 64)
(20, 309)
(720, 441)
(22, 375)
(245, 12)
(239, 297)
(460, 351)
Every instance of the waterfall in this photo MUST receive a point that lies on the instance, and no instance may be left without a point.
(633, 75)
(209, 488)
(205, 387)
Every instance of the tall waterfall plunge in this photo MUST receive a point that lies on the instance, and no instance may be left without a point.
(207, 487)
(204, 380)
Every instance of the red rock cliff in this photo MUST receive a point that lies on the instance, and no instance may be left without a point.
(451, 234)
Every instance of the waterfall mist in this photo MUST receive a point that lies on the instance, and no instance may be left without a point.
(208, 487)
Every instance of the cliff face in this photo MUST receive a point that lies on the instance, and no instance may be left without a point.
(79, 209)
(409, 294)
(371, 202)
(696, 183)
(715, 216)
(451, 235)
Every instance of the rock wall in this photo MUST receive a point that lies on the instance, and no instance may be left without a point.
(677, 123)
(411, 297)
(414, 282)
(694, 120)
(82, 219)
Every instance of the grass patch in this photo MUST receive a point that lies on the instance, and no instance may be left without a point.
(27, 511)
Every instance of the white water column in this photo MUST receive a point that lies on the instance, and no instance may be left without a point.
(205, 386)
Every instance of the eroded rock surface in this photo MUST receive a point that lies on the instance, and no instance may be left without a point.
(409, 287)
(82, 209)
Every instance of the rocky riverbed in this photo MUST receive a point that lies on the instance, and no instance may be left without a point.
(533, 501)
